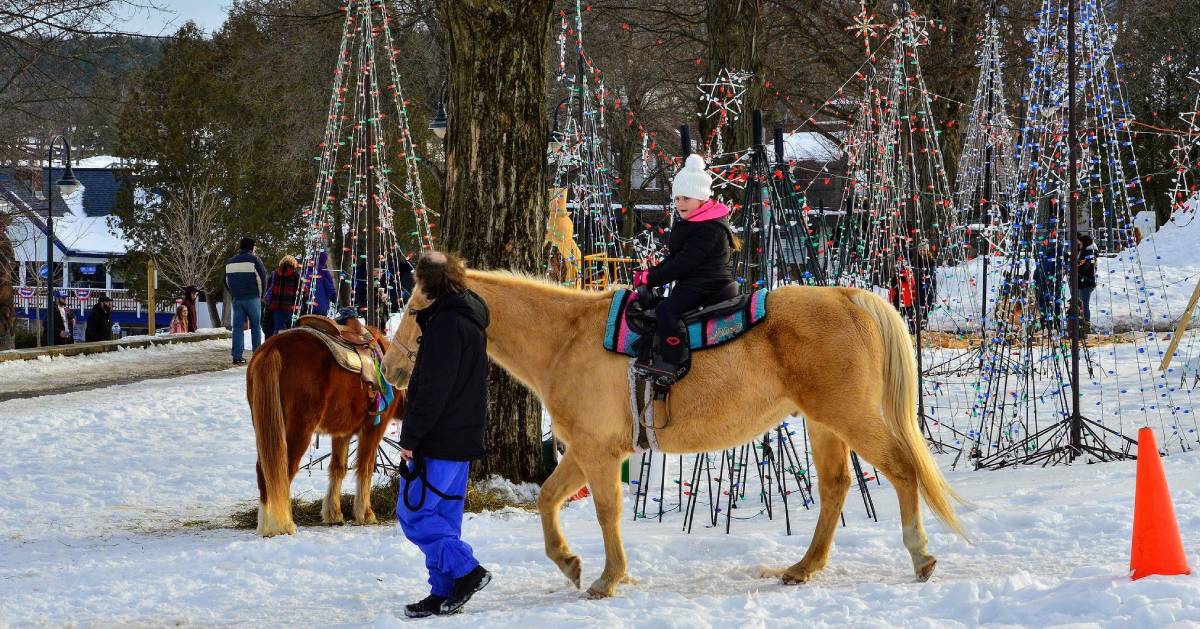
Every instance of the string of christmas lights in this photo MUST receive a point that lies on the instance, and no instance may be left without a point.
(1022, 403)
(353, 216)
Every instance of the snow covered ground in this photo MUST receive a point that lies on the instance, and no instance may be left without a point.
(47, 375)
(108, 496)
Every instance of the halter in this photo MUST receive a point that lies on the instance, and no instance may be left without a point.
(412, 355)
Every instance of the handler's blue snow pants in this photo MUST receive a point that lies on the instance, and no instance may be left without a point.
(436, 526)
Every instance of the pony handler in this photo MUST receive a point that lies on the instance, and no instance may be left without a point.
(842, 357)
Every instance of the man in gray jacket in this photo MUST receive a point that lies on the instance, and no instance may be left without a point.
(246, 281)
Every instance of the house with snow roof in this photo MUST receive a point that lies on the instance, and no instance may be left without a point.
(87, 243)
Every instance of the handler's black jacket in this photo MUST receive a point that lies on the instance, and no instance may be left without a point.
(698, 258)
(447, 394)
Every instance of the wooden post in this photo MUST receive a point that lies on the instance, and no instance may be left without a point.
(151, 324)
(1181, 328)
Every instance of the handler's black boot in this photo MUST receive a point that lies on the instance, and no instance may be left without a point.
(464, 588)
(427, 606)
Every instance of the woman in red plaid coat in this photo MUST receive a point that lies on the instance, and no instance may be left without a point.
(281, 293)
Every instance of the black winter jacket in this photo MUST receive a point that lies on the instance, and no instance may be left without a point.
(447, 395)
(99, 325)
(698, 258)
(1087, 267)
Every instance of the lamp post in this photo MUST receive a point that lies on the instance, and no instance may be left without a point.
(67, 184)
(438, 124)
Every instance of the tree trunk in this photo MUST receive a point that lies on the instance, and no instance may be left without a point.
(734, 28)
(8, 276)
(496, 198)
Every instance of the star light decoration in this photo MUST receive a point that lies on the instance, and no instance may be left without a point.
(723, 100)
(912, 30)
(1185, 157)
(863, 26)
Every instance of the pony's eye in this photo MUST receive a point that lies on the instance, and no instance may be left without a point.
(419, 339)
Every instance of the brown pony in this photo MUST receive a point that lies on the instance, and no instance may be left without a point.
(842, 357)
(295, 389)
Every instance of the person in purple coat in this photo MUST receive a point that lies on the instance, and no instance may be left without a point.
(324, 290)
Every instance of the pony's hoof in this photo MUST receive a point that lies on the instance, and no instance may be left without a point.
(270, 527)
(600, 588)
(572, 568)
(331, 513)
(771, 573)
(367, 519)
(268, 531)
(796, 577)
(926, 571)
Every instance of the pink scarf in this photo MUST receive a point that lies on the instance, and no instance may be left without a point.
(710, 211)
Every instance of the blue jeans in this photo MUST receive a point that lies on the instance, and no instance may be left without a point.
(1085, 296)
(436, 527)
(243, 310)
(283, 321)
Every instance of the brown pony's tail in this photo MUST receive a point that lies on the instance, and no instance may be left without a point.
(266, 411)
(900, 405)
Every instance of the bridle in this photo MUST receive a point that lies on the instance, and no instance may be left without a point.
(412, 354)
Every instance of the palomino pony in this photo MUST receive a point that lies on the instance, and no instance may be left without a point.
(842, 357)
(295, 388)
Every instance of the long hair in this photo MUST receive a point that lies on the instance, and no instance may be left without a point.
(288, 261)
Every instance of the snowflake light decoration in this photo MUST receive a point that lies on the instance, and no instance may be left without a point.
(863, 26)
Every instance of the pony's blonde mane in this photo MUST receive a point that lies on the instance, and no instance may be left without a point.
(518, 280)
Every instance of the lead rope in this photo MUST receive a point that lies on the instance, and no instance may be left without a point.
(418, 471)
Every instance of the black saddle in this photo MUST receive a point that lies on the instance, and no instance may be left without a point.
(641, 317)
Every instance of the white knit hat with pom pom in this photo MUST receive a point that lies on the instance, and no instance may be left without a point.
(692, 181)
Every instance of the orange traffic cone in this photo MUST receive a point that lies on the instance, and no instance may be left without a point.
(1157, 547)
(580, 495)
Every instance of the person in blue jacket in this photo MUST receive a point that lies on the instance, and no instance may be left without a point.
(443, 431)
(246, 281)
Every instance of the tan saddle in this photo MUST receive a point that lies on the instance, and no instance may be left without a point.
(353, 350)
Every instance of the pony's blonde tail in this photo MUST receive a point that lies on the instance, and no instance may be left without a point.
(900, 405)
(266, 411)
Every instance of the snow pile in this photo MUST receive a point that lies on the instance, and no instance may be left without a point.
(106, 495)
(124, 358)
(1175, 244)
(509, 491)
(1145, 287)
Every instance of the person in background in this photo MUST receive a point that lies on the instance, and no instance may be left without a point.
(64, 321)
(190, 293)
(1087, 278)
(902, 294)
(245, 279)
(99, 321)
(179, 321)
(928, 288)
(324, 290)
(281, 294)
